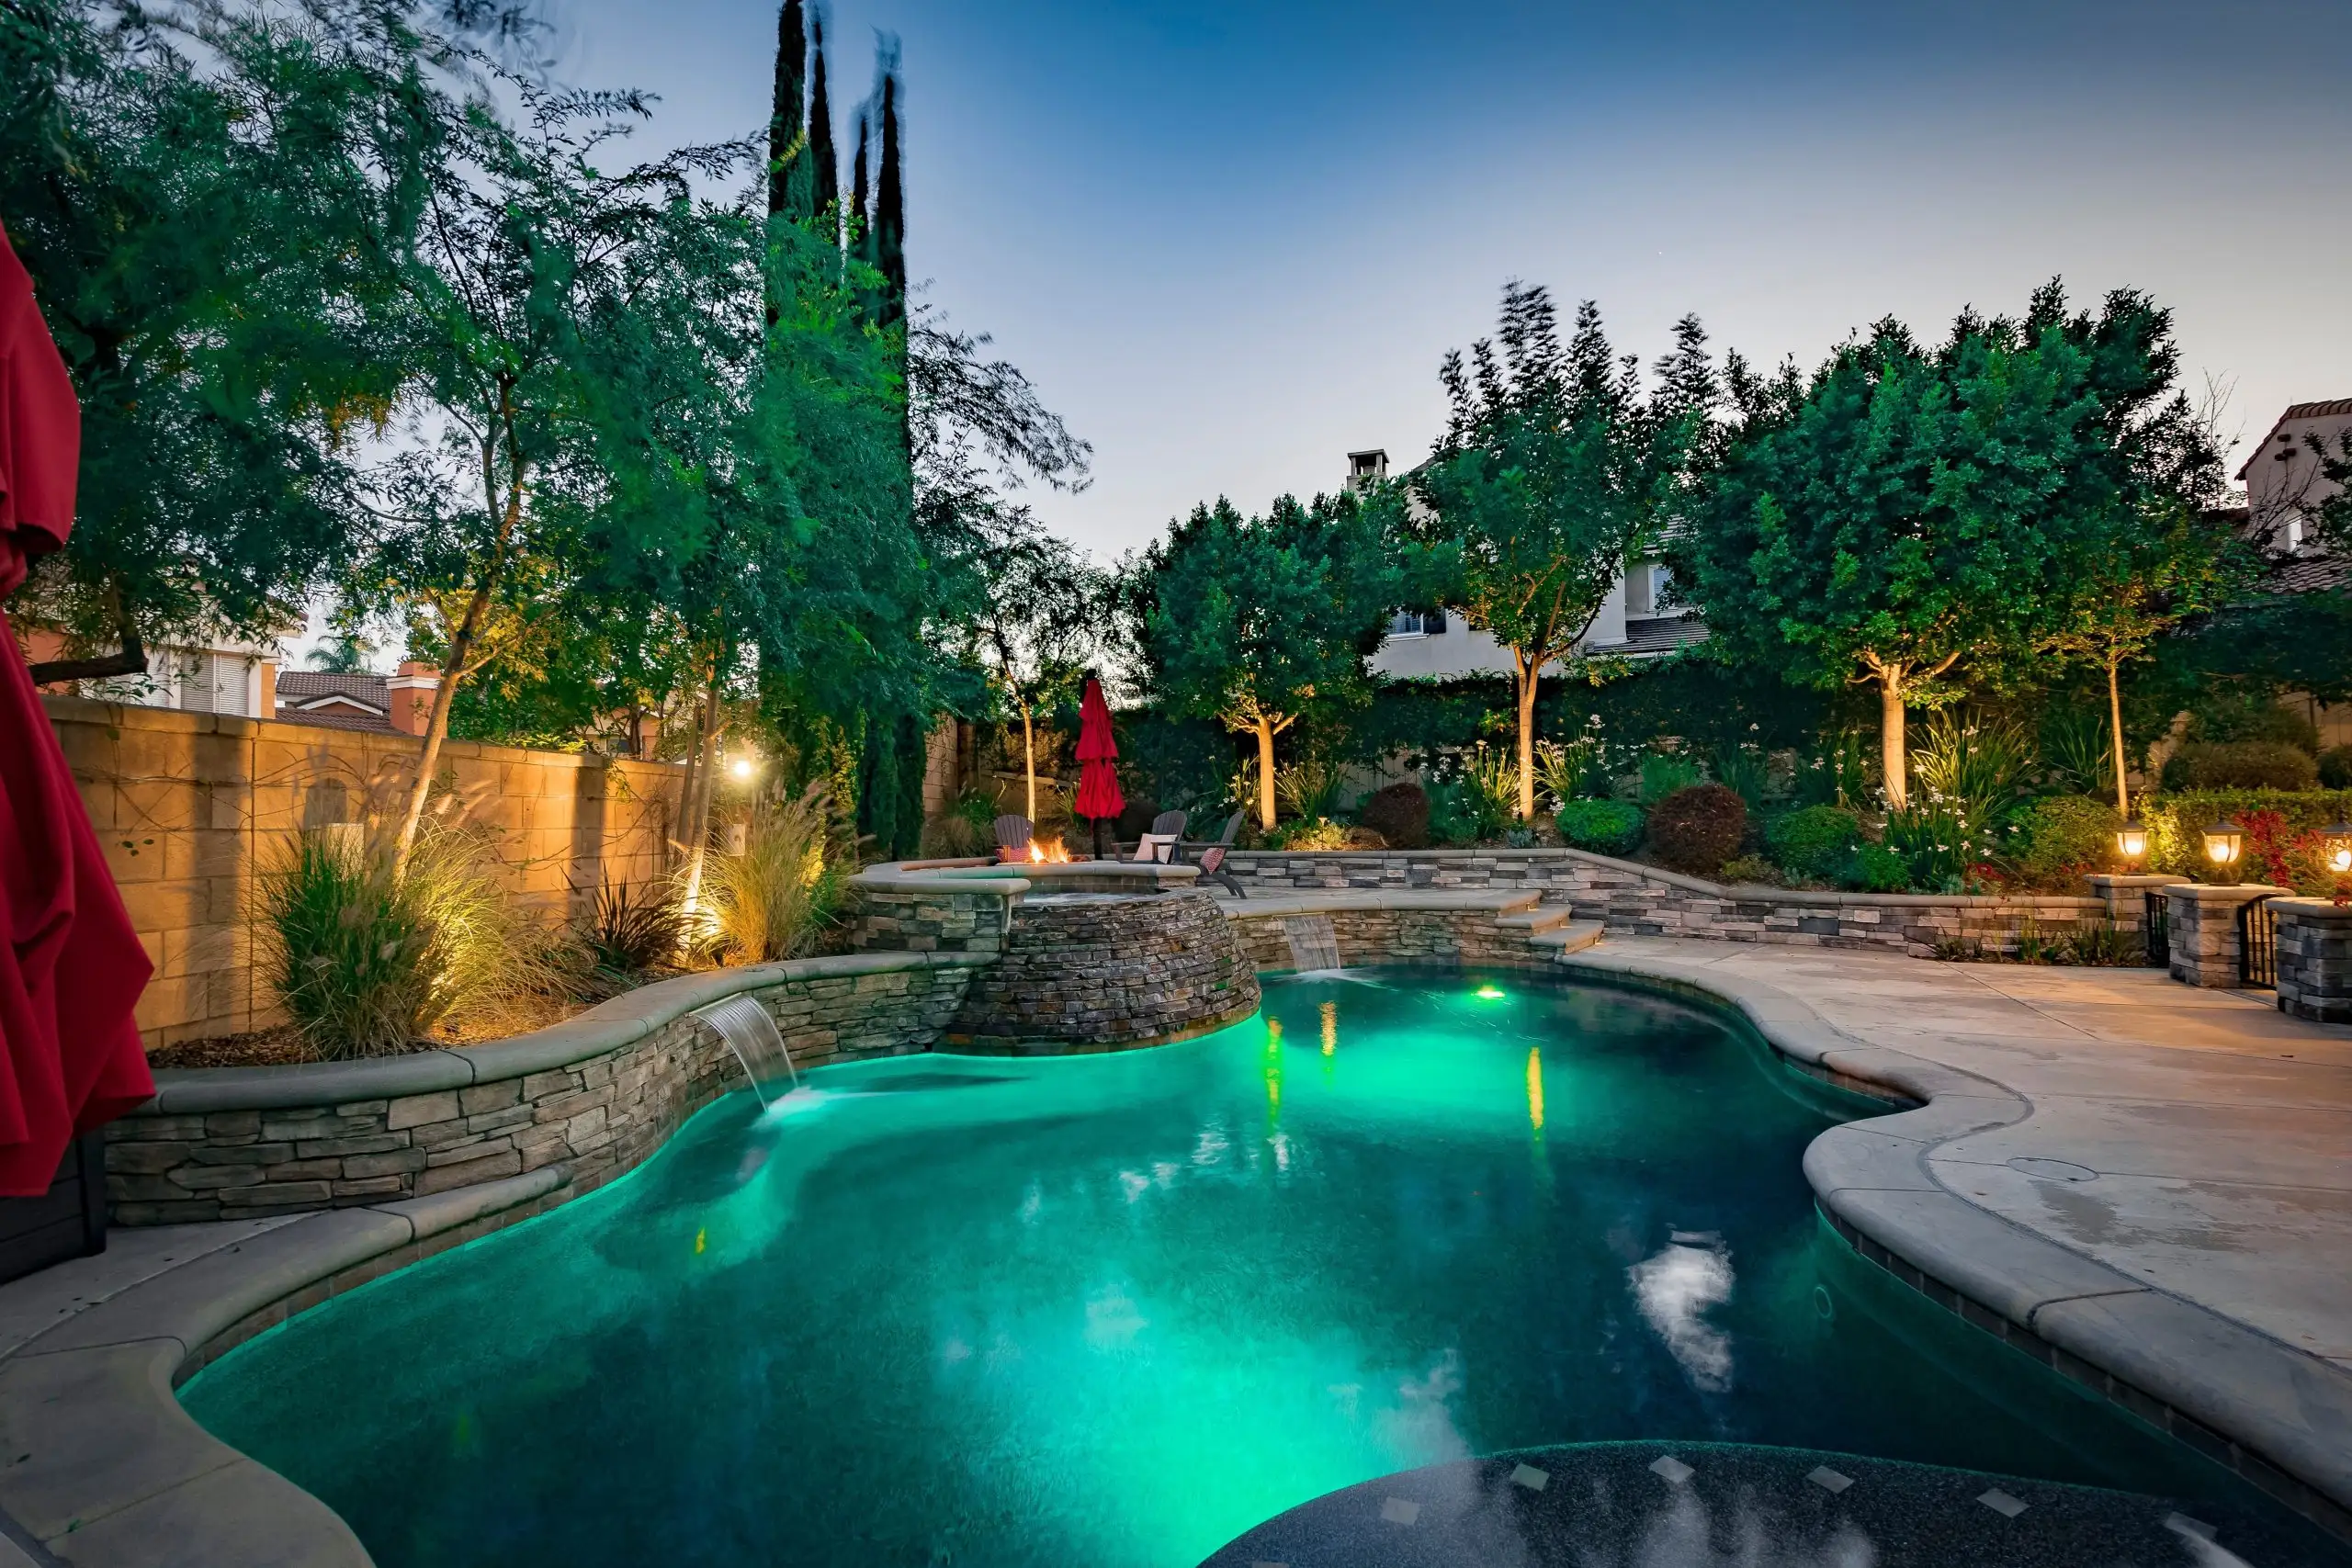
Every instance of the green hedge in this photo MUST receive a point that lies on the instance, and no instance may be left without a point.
(1604, 827)
(2283, 833)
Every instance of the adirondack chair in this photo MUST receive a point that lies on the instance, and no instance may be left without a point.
(1012, 835)
(1210, 858)
(1167, 830)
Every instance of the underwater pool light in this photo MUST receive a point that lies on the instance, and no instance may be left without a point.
(1490, 993)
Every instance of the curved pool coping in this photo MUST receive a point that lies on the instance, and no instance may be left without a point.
(109, 1471)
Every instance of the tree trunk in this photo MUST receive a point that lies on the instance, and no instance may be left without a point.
(1894, 758)
(697, 838)
(1265, 775)
(437, 724)
(1029, 756)
(1528, 675)
(2115, 723)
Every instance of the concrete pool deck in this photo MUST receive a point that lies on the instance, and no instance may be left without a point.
(2145, 1186)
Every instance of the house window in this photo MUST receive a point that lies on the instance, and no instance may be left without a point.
(1417, 622)
(2294, 533)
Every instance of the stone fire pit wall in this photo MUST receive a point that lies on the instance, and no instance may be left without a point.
(1098, 972)
(593, 1096)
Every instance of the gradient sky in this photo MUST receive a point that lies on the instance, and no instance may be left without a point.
(1230, 242)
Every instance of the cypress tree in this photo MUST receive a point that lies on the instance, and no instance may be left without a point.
(790, 188)
(860, 239)
(820, 128)
(890, 207)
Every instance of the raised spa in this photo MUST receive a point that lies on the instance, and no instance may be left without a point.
(1120, 1310)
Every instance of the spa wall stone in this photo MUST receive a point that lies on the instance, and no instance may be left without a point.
(1095, 974)
(598, 1116)
(1389, 936)
(1646, 901)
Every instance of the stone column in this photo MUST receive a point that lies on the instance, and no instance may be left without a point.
(2204, 919)
(2314, 959)
(2125, 895)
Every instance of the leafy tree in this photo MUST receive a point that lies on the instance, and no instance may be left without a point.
(1036, 629)
(1553, 475)
(207, 200)
(1253, 621)
(1910, 510)
(2127, 584)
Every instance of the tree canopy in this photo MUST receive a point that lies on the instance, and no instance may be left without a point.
(1909, 511)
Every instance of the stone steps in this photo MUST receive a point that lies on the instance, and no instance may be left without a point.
(1540, 918)
(1571, 936)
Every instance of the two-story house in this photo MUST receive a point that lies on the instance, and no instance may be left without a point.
(1635, 621)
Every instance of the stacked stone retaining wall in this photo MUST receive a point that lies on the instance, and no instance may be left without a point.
(595, 1096)
(1464, 936)
(1098, 972)
(2314, 959)
(1647, 901)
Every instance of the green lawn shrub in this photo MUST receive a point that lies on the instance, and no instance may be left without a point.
(2060, 837)
(2336, 767)
(1813, 843)
(1698, 828)
(1603, 827)
(1878, 869)
(1750, 870)
(2240, 765)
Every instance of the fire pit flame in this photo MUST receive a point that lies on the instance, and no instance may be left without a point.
(1047, 851)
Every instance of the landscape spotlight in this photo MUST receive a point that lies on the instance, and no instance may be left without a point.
(2131, 840)
(741, 767)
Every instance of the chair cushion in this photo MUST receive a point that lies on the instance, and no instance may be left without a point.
(1155, 847)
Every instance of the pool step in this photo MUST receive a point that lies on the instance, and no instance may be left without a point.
(1573, 937)
(1537, 917)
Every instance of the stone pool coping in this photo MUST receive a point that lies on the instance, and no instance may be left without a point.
(102, 1466)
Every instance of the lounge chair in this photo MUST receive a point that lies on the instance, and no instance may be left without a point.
(1012, 835)
(1210, 858)
(1166, 832)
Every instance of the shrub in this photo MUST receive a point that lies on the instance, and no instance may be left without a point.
(2240, 765)
(1698, 828)
(1399, 813)
(1937, 845)
(774, 900)
(2226, 714)
(1974, 767)
(1745, 771)
(1309, 787)
(2336, 767)
(1491, 783)
(629, 929)
(1753, 869)
(2282, 833)
(1816, 843)
(1603, 827)
(1878, 869)
(1314, 833)
(2062, 837)
(2074, 750)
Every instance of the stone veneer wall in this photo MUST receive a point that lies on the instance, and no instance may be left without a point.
(595, 1095)
(2314, 959)
(1388, 936)
(1098, 972)
(921, 915)
(189, 806)
(2203, 930)
(1647, 901)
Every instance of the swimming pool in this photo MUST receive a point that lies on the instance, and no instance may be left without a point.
(1119, 1310)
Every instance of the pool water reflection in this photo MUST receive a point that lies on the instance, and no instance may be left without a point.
(1118, 1310)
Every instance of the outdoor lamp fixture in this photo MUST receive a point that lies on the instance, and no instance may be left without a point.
(2131, 842)
(2225, 844)
(741, 767)
(2335, 848)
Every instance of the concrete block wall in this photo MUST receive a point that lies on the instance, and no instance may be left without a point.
(235, 1144)
(190, 806)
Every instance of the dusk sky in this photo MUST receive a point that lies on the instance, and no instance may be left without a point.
(1230, 242)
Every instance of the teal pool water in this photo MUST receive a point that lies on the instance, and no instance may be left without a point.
(1117, 1310)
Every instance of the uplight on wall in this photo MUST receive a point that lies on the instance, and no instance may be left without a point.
(2225, 847)
(2131, 842)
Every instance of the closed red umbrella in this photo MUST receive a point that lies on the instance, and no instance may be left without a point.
(70, 967)
(1098, 781)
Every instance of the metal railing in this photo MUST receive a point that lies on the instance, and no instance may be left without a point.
(2257, 944)
(2156, 922)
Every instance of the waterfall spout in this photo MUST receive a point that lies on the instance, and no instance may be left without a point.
(1314, 946)
(751, 1035)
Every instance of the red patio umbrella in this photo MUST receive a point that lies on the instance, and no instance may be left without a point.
(70, 967)
(1098, 782)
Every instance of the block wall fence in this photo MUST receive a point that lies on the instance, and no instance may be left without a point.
(189, 807)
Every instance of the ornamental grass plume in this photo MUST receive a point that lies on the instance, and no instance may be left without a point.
(367, 963)
(775, 898)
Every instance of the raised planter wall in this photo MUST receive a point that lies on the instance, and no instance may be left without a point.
(594, 1095)
(1646, 901)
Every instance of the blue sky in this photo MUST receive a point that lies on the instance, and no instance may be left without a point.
(1230, 242)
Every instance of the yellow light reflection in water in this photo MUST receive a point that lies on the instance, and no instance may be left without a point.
(1331, 1011)
(1273, 1072)
(1490, 993)
(1536, 1089)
